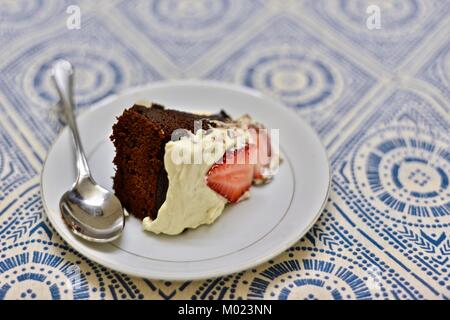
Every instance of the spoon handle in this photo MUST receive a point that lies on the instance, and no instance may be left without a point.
(62, 74)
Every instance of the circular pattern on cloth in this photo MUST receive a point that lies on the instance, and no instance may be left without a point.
(395, 14)
(315, 278)
(20, 15)
(97, 76)
(18, 10)
(403, 174)
(299, 79)
(186, 22)
(399, 17)
(33, 269)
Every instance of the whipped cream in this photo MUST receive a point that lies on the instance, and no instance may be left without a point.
(189, 201)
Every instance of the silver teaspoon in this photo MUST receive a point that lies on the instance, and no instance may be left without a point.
(91, 211)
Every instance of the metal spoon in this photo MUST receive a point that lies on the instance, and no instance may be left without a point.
(91, 211)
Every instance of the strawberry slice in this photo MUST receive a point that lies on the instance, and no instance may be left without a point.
(234, 176)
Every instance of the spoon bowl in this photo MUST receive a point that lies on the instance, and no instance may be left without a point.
(92, 212)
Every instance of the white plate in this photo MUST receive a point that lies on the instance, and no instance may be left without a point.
(247, 234)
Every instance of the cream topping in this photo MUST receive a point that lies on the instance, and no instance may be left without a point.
(189, 201)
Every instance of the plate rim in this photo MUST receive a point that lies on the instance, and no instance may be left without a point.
(282, 246)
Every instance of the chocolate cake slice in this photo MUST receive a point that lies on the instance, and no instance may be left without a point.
(140, 136)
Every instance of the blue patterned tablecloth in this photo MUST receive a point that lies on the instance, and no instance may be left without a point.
(378, 97)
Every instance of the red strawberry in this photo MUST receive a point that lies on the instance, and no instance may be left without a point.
(234, 176)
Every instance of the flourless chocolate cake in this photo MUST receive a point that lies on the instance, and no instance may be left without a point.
(140, 136)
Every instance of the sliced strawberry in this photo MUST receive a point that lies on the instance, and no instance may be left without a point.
(234, 176)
